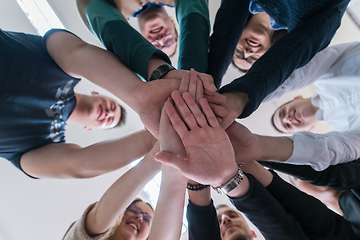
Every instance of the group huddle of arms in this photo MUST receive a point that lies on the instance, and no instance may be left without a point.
(191, 134)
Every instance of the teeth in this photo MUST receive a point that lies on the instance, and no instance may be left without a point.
(156, 30)
(133, 225)
(251, 43)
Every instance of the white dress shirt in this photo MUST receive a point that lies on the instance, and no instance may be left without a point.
(335, 72)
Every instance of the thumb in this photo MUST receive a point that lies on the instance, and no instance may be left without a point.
(209, 87)
(208, 83)
(170, 159)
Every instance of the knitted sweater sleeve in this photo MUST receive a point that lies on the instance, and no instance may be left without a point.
(202, 222)
(292, 51)
(341, 177)
(229, 23)
(120, 38)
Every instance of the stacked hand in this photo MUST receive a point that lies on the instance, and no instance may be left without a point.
(209, 154)
(151, 97)
(246, 144)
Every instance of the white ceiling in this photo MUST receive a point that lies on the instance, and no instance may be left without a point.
(43, 209)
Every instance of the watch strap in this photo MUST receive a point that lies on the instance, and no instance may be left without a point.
(160, 71)
(232, 183)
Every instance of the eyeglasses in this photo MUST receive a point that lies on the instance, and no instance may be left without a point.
(239, 53)
(136, 211)
(168, 40)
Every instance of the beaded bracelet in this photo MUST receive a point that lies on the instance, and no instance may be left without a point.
(196, 187)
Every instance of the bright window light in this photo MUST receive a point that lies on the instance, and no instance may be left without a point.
(40, 15)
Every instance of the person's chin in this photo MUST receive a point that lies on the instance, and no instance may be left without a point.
(235, 235)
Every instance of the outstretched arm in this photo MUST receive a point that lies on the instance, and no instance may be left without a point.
(115, 200)
(101, 67)
(304, 148)
(249, 146)
(72, 161)
(314, 217)
(340, 177)
(290, 52)
(313, 70)
(169, 211)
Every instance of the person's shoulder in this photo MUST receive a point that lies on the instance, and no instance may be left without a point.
(76, 230)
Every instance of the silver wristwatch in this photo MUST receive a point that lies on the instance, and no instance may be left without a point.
(232, 183)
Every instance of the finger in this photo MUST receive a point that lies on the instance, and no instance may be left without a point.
(193, 83)
(164, 125)
(219, 111)
(199, 91)
(219, 120)
(217, 98)
(184, 110)
(184, 84)
(178, 124)
(208, 82)
(210, 116)
(195, 110)
(170, 159)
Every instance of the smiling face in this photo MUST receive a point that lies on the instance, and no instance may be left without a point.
(135, 226)
(295, 116)
(232, 225)
(255, 40)
(159, 29)
(95, 112)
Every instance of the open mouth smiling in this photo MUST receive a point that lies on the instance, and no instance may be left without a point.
(253, 43)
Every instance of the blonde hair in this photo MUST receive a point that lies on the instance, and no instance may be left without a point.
(112, 230)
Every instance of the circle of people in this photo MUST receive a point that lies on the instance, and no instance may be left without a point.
(191, 134)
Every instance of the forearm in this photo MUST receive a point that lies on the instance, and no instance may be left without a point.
(340, 177)
(322, 150)
(168, 216)
(273, 148)
(310, 212)
(229, 24)
(120, 195)
(72, 161)
(267, 214)
(312, 71)
(203, 223)
(110, 26)
(193, 38)
(114, 154)
(259, 172)
(291, 51)
(200, 198)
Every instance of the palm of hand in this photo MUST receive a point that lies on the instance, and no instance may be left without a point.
(210, 156)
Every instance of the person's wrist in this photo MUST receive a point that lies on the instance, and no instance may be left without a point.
(153, 63)
(174, 74)
(150, 163)
(231, 183)
(196, 187)
(238, 100)
(149, 139)
(174, 175)
(161, 71)
(241, 189)
(232, 171)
